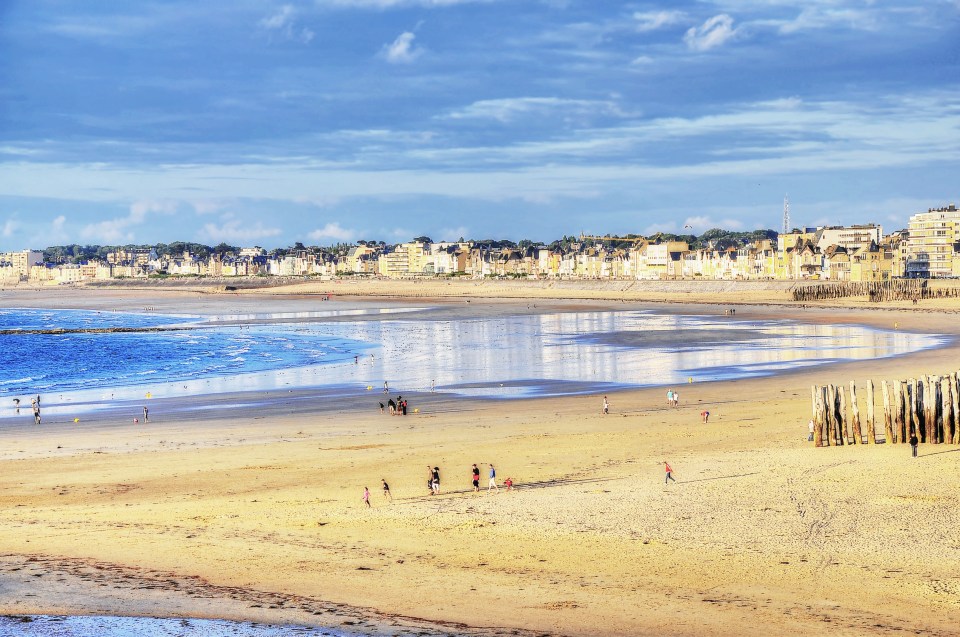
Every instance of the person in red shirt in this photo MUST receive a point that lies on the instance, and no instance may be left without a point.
(669, 472)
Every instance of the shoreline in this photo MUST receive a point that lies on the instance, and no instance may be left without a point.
(590, 542)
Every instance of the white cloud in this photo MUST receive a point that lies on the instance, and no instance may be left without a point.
(712, 33)
(10, 227)
(332, 231)
(452, 234)
(235, 231)
(279, 20)
(701, 223)
(653, 20)
(283, 23)
(115, 231)
(140, 209)
(207, 207)
(401, 50)
(508, 109)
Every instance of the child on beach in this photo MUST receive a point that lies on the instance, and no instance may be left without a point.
(606, 406)
(366, 496)
(508, 483)
(705, 415)
(669, 471)
(386, 490)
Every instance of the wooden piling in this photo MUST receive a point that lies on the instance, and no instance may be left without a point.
(955, 392)
(946, 410)
(830, 401)
(817, 416)
(887, 416)
(901, 408)
(871, 421)
(915, 416)
(930, 411)
(855, 409)
(843, 423)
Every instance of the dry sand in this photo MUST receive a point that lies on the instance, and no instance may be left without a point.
(260, 516)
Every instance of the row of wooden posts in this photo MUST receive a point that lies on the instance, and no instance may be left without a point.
(926, 406)
(876, 291)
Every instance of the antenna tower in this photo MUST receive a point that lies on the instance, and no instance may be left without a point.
(786, 215)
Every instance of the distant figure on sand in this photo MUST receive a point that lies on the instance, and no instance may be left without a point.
(435, 480)
(386, 490)
(508, 483)
(669, 471)
(393, 407)
(36, 411)
(366, 496)
(705, 415)
(146, 414)
(476, 478)
(381, 408)
(810, 427)
(606, 406)
(676, 399)
(492, 484)
(669, 397)
(913, 443)
(16, 403)
(386, 389)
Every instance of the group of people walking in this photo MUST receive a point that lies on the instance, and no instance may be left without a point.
(433, 483)
(396, 407)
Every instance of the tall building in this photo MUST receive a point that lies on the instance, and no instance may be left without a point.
(933, 247)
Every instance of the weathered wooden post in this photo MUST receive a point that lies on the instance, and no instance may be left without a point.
(898, 402)
(887, 416)
(830, 399)
(916, 416)
(826, 423)
(871, 422)
(955, 391)
(843, 424)
(930, 410)
(855, 409)
(817, 416)
(946, 410)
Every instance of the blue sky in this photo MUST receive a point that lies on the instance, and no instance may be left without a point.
(324, 121)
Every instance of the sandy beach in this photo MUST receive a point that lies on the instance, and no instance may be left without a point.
(256, 514)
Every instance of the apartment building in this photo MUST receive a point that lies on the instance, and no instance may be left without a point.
(933, 247)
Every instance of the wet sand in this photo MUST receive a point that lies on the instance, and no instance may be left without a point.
(256, 514)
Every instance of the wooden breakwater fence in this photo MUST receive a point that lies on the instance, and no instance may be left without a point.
(927, 406)
(875, 291)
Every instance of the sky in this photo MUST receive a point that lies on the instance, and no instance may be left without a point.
(332, 121)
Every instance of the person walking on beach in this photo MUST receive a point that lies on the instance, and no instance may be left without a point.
(476, 479)
(669, 471)
(676, 399)
(381, 408)
(386, 389)
(669, 397)
(606, 406)
(913, 443)
(386, 490)
(810, 427)
(435, 480)
(366, 496)
(16, 403)
(36, 412)
(492, 484)
(146, 414)
(705, 415)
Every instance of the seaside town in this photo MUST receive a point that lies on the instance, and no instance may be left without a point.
(928, 248)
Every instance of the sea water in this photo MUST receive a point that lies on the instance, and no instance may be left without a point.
(490, 357)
